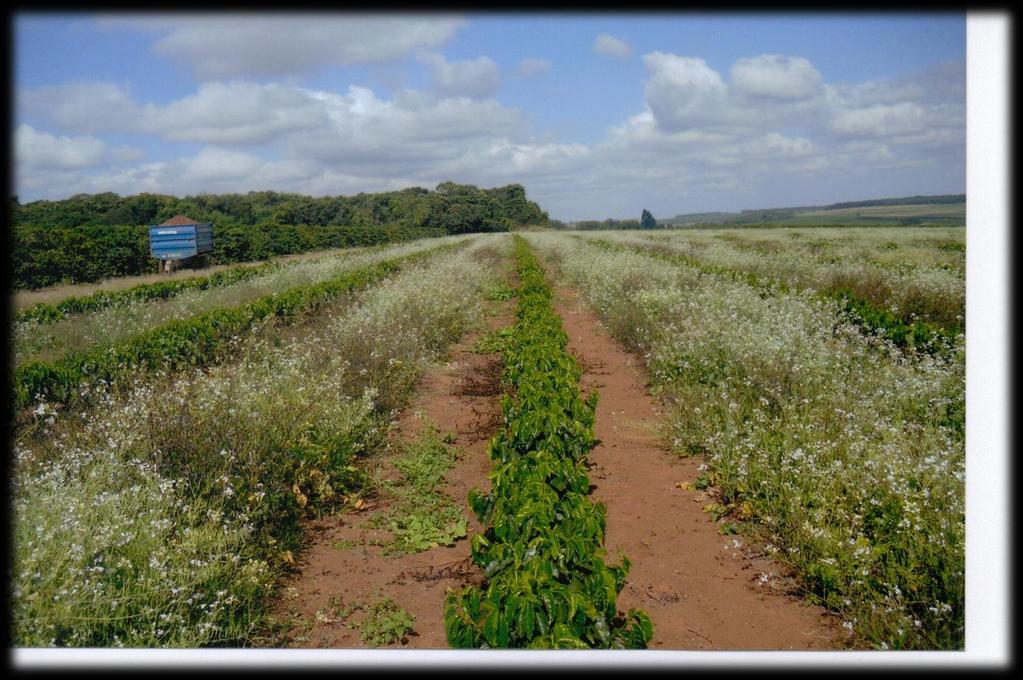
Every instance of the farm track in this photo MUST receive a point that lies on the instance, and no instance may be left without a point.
(700, 590)
(461, 397)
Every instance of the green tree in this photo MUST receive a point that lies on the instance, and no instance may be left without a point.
(647, 221)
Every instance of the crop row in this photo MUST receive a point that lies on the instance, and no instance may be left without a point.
(848, 455)
(920, 335)
(192, 341)
(542, 555)
(161, 290)
(165, 514)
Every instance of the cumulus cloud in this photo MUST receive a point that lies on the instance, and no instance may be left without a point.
(683, 91)
(220, 113)
(531, 66)
(776, 76)
(43, 151)
(879, 120)
(610, 46)
(82, 107)
(695, 141)
(224, 46)
(478, 78)
(226, 113)
(411, 132)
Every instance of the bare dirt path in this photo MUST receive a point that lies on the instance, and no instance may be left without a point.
(461, 397)
(701, 589)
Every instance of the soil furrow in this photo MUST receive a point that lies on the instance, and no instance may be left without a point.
(701, 589)
(460, 397)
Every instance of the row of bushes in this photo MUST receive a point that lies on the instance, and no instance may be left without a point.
(161, 290)
(921, 336)
(547, 585)
(193, 341)
(47, 255)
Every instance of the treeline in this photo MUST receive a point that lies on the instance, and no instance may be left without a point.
(45, 256)
(594, 225)
(793, 212)
(89, 237)
(942, 199)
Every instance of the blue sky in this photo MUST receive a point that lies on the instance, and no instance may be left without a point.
(597, 115)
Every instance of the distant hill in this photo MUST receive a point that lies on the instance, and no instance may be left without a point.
(943, 209)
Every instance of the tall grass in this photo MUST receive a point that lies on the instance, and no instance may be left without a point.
(849, 453)
(164, 515)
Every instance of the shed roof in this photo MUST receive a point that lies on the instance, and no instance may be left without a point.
(178, 221)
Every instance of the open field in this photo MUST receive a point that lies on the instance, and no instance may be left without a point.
(954, 213)
(908, 214)
(692, 439)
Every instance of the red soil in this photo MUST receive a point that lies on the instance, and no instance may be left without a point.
(461, 397)
(700, 590)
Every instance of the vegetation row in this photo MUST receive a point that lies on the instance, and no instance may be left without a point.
(871, 315)
(842, 455)
(161, 290)
(165, 513)
(192, 341)
(542, 556)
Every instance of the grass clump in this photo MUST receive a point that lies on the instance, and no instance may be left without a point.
(384, 623)
(421, 516)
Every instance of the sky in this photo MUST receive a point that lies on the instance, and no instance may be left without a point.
(597, 115)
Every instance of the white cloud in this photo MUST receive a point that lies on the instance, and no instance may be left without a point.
(532, 66)
(695, 142)
(42, 151)
(478, 78)
(82, 107)
(683, 91)
(610, 46)
(224, 46)
(879, 120)
(218, 113)
(776, 76)
(234, 113)
(213, 164)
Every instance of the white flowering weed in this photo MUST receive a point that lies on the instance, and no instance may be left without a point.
(164, 514)
(850, 452)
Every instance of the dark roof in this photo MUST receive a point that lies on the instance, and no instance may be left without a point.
(178, 221)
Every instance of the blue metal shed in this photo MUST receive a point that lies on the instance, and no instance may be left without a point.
(179, 238)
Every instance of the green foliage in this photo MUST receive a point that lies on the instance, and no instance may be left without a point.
(901, 329)
(161, 290)
(594, 225)
(385, 623)
(91, 237)
(547, 585)
(647, 221)
(421, 517)
(193, 341)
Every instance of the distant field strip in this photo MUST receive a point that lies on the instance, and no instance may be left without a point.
(81, 332)
(546, 583)
(924, 309)
(197, 339)
(846, 450)
(44, 313)
(164, 515)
